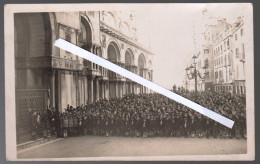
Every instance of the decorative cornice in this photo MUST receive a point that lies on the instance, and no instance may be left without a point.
(114, 33)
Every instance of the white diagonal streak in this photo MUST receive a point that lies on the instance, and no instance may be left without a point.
(117, 69)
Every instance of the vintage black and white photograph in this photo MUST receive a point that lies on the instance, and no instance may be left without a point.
(66, 107)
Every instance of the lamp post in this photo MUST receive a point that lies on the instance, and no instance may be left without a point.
(192, 72)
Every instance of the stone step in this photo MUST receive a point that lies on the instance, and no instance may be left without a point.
(34, 143)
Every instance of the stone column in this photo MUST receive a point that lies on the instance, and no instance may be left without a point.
(90, 89)
(52, 87)
(133, 87)
(116, 88)
(119, 85)
(97, 88)
(58, 90)
(130, 88)
(103, 89)
(124, 88)
(100, 89)
(77, 90)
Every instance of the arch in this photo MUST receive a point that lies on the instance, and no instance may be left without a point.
(113, 52)
(129, 57)
(113, 55)
(110, 19)
(33, 35)
(141, 61)
(150, 64)
(125, 28)
(141, 65)
(149, 75)
(86, 34)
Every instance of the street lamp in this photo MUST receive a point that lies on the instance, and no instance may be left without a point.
(194, 57)
(192, 72)
(187, 70)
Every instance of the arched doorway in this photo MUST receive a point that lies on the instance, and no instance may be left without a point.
(141, 70)
(129, 59)
(89, 84)
(129, 65)
(113, 55)
(33, 43)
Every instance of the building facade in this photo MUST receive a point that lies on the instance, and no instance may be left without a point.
(49, 76)
(205, 32)
(229, 59)
(220, 48)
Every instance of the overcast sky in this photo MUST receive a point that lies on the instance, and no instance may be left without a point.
(171, 30)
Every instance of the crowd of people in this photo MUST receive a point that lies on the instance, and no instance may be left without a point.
(146, 115)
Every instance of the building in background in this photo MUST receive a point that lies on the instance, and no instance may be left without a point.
(239, 41)
(204, 34)
(220, 48)
(229, 59)
(49, 76)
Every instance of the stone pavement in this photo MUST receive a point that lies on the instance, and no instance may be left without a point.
(97, 146)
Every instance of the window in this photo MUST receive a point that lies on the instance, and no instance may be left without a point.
(241, 32)
(206, 63)
(243, 52)
(235, 36)
(68, 37)
(216, 75)
(237, 71)
(228, 44)
(206, 51)
(229, 59)
(237, 52)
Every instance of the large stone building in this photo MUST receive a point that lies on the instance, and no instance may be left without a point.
(49, 76)
(229, 59)
(220, 48)
(204, 34)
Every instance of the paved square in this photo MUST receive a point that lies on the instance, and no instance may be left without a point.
(97, 146)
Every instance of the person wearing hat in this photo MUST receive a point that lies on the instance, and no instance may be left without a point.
(44, 123)
(207, 126)
(185, 125)
(61, 127)
(95, 122)
(85, 123)
(33, 125)
(70, 121)
(80, 122)
(138, 125)
(160, 124)
(65, 124)
(167, 125)
(127, 124)
(242, 123)
(132, 125)
(192, 124)
(198, 125)
(75, 123)
(144, 126)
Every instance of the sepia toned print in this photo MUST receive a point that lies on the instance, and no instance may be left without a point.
(67, 107)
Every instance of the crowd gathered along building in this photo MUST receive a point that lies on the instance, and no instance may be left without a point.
(220, 48)
(49, 76)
